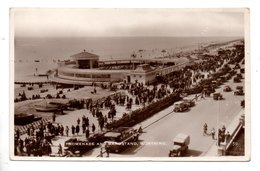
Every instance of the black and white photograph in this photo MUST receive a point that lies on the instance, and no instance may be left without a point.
(130, 84)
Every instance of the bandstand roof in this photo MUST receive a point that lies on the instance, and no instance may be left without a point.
(84, 55)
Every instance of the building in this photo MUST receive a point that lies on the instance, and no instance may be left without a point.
(85, 60)
(85, 68)
(142, 74)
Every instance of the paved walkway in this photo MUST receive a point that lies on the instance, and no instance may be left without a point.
(213, 151)
(71, 118)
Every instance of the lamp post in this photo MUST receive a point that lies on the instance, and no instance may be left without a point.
(133, 56)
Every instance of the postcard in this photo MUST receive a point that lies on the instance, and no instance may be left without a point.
(129, 84)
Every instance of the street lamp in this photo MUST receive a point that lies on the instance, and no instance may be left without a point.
(133, 55)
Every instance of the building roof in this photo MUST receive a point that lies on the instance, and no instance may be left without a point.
(84, 55)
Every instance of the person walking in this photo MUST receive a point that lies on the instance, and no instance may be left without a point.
(205, 128)
(77, 129)
(87, 133)
(61, 130)
(223, 129)
(83, 128)
(73, 130)
(93, 128)
(202, 95)
(213, 133)
(227, 137)
(67, 131)
(53, 117)
(196, 97)
(107, 149)
(87, 122)
(60, 150)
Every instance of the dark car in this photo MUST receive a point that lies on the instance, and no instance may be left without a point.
(237, 66)
(227, 89)
(217, 96)
(239, 76)
(239, 87)
(189, 103)
(80, 146)
(242, 103)
(236, 80)
(239, 93)
(180, 107)
(121, 138)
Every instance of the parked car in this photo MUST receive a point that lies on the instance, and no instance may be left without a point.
(30, 88)
(237, 66)
(227, 89)
(239, 92)
(217, 96)
(236, 80)
(239, 87)
(189, 103)
(120, 139)
(239, 76)
(180, 107)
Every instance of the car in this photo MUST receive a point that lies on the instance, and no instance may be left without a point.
(119, 139)
(189, 103)
(228, 76)
(237, 66)
(239, 87)
(214, 84)
(222, 79)
(239, 76)
(227, 89)
(80, 145)
(217, 96)
(236, 80)
(30, 88)
(239, 93)
(180, 107)
(180, 145)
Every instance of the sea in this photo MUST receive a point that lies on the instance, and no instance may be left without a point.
(37, 55)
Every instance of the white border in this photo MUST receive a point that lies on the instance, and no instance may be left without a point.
(204, 158)
(6, 164)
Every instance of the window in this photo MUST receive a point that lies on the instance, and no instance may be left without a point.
(101, 76)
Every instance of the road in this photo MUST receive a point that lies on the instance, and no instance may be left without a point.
(156, 141)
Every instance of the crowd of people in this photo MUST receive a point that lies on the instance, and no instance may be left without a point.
(37, 142)
(22, 97)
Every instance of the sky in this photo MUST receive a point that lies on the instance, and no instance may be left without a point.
(40, 22)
